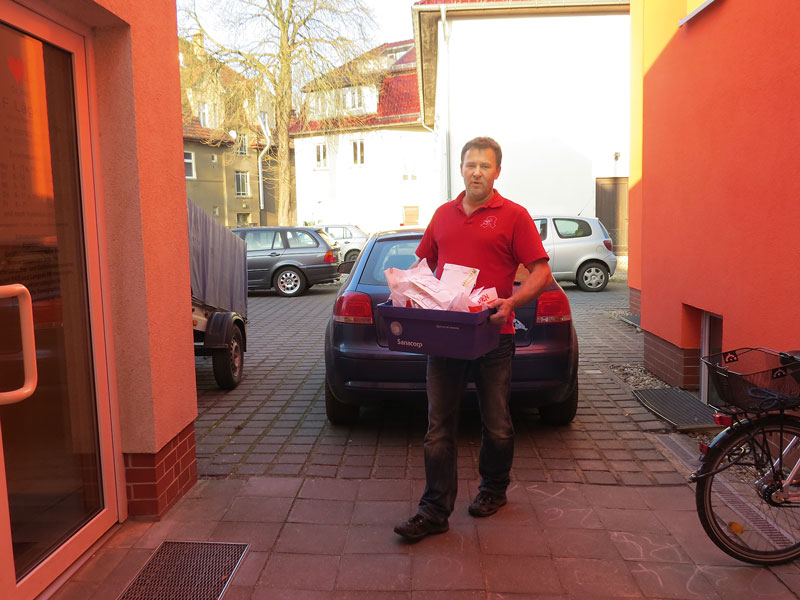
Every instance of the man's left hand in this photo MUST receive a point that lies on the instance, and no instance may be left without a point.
(538, 280)
(504, 310)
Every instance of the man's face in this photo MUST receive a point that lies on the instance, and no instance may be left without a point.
(479, 170)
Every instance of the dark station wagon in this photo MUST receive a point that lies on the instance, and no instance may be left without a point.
(360, 368)
(289, 259)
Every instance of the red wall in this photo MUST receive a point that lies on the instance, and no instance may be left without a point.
(720, 189)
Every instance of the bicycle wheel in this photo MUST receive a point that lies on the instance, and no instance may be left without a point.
(743, 503)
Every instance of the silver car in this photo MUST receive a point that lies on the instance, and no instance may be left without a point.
(579, 249)
(351, 239)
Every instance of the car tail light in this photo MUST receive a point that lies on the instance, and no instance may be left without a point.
(723, 419)
(329, 257)
(353, 307)
(607, 244)
(553, 307)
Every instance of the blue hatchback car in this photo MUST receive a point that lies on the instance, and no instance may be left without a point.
(361, 369)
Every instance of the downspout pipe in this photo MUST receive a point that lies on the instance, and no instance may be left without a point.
(261, 169)
(446, 34)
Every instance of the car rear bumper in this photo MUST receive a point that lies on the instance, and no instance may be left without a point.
(541, 374)
(326, 273)
(612, 264)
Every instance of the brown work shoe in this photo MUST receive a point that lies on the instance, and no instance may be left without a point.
(418, 526)
(486, 504)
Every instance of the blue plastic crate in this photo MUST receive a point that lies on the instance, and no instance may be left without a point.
(449, 333)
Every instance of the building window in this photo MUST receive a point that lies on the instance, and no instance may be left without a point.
(241, 148)
(242, 179)
(354, 98)
(358, 152)
(322, 156)
(202, 114)
(188, 164)
(242, 219)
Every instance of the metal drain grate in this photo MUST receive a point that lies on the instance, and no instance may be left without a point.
(186, 571)
(678, 407)
(631, 319)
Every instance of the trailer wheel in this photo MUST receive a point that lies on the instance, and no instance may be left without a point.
(229, 362)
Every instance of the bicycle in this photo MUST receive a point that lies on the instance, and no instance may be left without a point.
(748, 482)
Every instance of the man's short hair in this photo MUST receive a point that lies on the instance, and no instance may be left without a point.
(482, 143)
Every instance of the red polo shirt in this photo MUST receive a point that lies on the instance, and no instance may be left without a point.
(495, 239)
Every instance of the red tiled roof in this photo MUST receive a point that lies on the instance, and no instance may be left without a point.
(408, 59)
(398, 104)
(192, 130)
(398, 100)
(341, 75)
(399, 96)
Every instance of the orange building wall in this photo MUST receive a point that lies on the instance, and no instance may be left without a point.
(157, 387)
(718, 207)
(135, 97)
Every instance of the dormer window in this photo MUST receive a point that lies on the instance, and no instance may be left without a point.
(202, 114)
(355, 98)
(241, 148)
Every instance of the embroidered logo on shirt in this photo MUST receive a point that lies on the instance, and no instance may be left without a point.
(490, 222)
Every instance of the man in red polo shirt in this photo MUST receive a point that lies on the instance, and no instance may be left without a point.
(479, 229)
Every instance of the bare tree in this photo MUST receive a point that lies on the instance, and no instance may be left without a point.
(278, 46)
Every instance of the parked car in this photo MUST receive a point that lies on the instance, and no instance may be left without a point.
(360, 368)
(351, 239)
(579, 250)
(289, 259)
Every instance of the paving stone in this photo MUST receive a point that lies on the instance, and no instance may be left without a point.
(318, 572)
(600, 477)
(311, 538)
(592, 578)
(680, 581)
(521, 574)
(463, 573)
(374, 572)
(580, 543)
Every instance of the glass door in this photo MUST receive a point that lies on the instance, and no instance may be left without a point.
(56, 460)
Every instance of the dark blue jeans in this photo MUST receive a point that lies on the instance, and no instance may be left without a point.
(447, 382)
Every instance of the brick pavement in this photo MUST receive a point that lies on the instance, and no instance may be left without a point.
(599, 509)
(274, 422)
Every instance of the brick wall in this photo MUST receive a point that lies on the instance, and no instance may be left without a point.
(679, 367)
(154, 482)
(635, 301)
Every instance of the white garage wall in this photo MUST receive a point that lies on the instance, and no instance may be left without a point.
(554, 91)
(396, 172)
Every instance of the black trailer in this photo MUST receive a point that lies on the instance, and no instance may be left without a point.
(218, 260)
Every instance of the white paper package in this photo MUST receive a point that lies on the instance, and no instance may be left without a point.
(418, 287)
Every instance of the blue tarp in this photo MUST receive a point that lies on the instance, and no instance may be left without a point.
(218, 262)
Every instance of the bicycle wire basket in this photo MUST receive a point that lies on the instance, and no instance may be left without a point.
(755, 379)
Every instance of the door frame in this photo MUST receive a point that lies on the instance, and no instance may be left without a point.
(76, 41)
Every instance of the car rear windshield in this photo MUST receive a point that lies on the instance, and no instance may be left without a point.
(325, 237)
(572, 228)
(386, 254)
